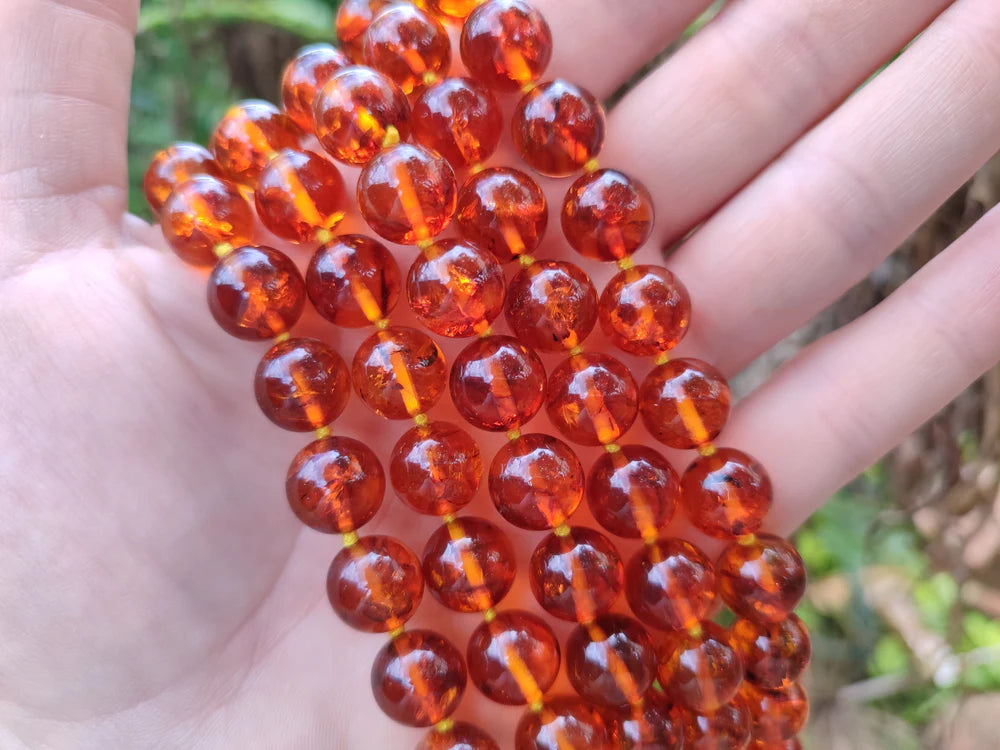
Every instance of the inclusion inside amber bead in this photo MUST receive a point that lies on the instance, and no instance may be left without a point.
(461, 736)
(460, 119)
(775, 715)
(536, 482)
(399, 372)
(469, 564)
(173, 166)
(302, 384)
(514, 658)
(576, 575)
(652, 725)
(564, 723)
(700, 670)
(607, 215)
(506, 44)
(684, 403)
(726, 494)
(645, 310)
(633, 492)
(300, 194)
(611, 661)
(774, 654)
(558, 127)
(727, 728)
(353, 281)
(551, 305)
(762, 579)
(670, 584)
(591, 399)
(249, 135)
(436, 468)
(304, 76)
(504, 211)
(202, 214)
(408, 45)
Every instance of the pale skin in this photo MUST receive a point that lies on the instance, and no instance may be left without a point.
(157, 591)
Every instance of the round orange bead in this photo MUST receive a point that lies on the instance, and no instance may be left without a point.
(497, 383)
(700, 671)
(248, 136)
(670, 584)
(506, 44)
(203, 214)
(728, 728)
(399, 372)
(645, 310)
(551, 305)
(407, 194)
(684, 403)
(460, 119)
(514, 658)
(375, 585)
(762, 579)
(436, 468)
(408, 45)
(774, 654)
(564, 723)
(256, 293)
(536, 482)
(353, 19)
(558, 127)
(633, 492)
(358, 112)
(302, 384)
(456, 289)
(453, 9)
(726, 494)
(607, 215)
(418, 678)
(335, 485)
(576, 576)
(462, 736)
(304, 76)
(469, 564)
(611, 661)
(776, 715)
(504, 211)
(649, 726)
(300, 194)
(173, 166)
(353, 281)
(591, 398)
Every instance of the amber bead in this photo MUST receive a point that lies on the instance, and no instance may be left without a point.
(302, 384)
(645, 310)
(300, 194)
(375, 584)
(506, 44)
(649, 726)
(577, 575)
(460, 119)
(353, 281)
(456, 289)
(418, 678)
(670, 584)
(304, 76)
(407, 194)
(700, 670)
(761, 579)
(775, 715)
(551, 305)
(633, 492)
(558, 127)
(591, 398)
(536, 482)
(727, 728)
(514, 658)
(726, 494)
(358, 112)
(408, 45)
(774, 654)
(436, 468)
(607, 215)
(175, 165)
(256, 293)
(684, 403)
(461, 736)
(335, 485)
(469, 564)
(353, 19)
(564, 723)
(792, 743)
(611, 661)
(453, 9)
(399, 372)
(504, 211)
(249, 135)
(202, 214)
(497, 383)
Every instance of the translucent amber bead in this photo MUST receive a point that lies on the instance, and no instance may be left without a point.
(356, 111)
(577, 575)
(436, 468)
(456, 289)
(649, 726)
(504, 211)
(407, 194)
(591, 398)
(248, 136)
(353, 281)
(645, 310)
(202, 214)
(302, 384)
(762, 579)
(298, 194)
(460, 119)
(418, 678)
(775, 715)
(536, 482)
(408, 45)
(551, 305)
(774, 654)
(461, 736)
(564, 723)
(684, 403)
(633, 492)
(514, 658)
(399, 372)
(497, 383)
(611, 661)
(506, 44)
(353, 19)
(304, 76)
(469, 564)
(173, 166)
(335, 485)
(256, 293)
(375, 584)
(607, 215)
(728, 728)
(670, 584)
(726, 494)
(701, 671)
(558, 127)
(792, 743)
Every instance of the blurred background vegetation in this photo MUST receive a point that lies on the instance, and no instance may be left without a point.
(904, 599)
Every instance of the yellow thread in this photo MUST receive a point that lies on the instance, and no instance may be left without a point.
(323, 235)
(424, 244)
(476, 168)
(490, 615)
(561, 530)
(706, 449)
(445, 725)
(421, 420)
(272, 155)
(525, 260)
(591, 166)
(536, 707)
(649, 539)
(695, 631)
(513, 434)
(448, 519)
(282, 337)
(391, 136)
(323, 432)
(486, 332)
(382, 323)
(661, 359)
(528, 87)
(222, 249)
(350, 538)
(429, 77)
(576, 351)
(395, 633)
(612, 447)
(626, 264)
(746, 540)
